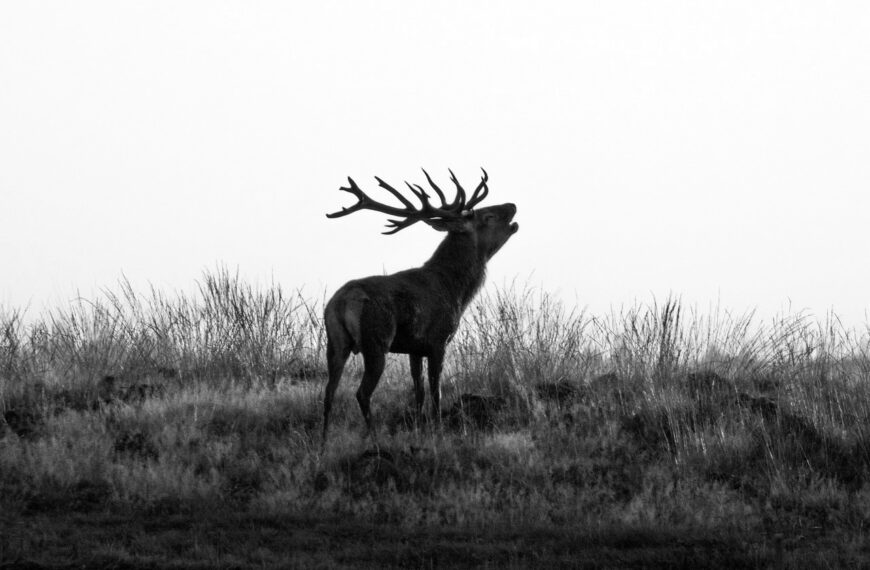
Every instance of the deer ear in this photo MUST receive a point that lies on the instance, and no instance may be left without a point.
(451, 224)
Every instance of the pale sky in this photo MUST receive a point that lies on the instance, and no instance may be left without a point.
(715, 150)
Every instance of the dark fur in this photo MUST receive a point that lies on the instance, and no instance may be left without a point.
(414, 312)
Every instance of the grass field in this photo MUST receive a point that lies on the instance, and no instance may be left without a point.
(184, 431)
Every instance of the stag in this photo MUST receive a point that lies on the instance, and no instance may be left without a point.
(416, 311)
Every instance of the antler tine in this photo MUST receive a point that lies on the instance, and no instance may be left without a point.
(419, 193)
(360, 195)
(420, 189)
(396, 193)
(459, 201)
(436, 188)
(480, 192)
(398, 225)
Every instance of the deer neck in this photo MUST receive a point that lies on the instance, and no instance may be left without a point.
(459, 266)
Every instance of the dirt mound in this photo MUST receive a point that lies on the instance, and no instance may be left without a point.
(561, 393)
(22, 422)
(375, 470)
(475, 410)
(111, 389)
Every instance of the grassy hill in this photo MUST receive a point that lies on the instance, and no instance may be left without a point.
(184, 431)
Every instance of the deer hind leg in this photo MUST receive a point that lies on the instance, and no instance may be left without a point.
(339, 344)
(379, 330)
(374, 368)
(417, 376)
(336, 357)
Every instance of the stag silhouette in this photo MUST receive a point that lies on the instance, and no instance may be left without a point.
(416, 311)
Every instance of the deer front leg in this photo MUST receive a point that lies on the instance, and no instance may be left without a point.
(435, 362)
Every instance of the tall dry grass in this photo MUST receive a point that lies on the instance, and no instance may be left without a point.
(656, 415)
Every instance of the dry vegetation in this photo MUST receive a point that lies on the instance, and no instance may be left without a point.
(184, 431)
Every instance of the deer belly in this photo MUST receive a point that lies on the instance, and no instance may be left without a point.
(410, 341)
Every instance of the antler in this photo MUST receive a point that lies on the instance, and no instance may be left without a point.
(411, 214)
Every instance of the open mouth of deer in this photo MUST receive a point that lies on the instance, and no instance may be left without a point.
(514, 226)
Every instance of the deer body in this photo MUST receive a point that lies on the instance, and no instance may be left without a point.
(416, 311)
